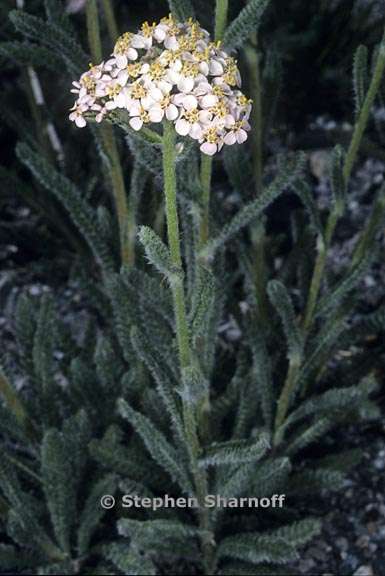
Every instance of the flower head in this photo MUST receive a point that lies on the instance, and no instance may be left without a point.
(169, 70)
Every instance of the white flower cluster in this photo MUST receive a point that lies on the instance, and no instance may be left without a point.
(169, 70)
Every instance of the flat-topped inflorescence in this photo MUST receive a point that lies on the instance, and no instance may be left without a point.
(169, 70)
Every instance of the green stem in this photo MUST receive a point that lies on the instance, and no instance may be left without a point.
(206, 175)
(221, 10)
(183, 333)
(258, 235)
(169, 175)
(285, 397)
(254, 74)
(111, 20)
(127, 228)
(351, 156)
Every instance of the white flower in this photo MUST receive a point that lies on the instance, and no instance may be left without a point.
(237, 133)
(77, 116)
(169, 70)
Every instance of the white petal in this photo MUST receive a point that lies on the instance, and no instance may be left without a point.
(230, 139)
(216, 69)
(123, 77)
(111, 105)
(136, 123)
(171, 43)
(186, 84)
(205, 116)
(135, 109)
(196, 131)
(202, 89)
(182, 127)
(208, 101)
(173, 76)
(80, 122)
(241, 136)
(164, 86)
(190, 102)
(145, 68)
(172, 112)
(138, 41)
(156, 114)
(121, 100)
(229, 121)
(209, 149)
(121, 61)
(156, 94)
(159, 33)
(204, 68)
(147, 102)
(132, 54)
(178, 99)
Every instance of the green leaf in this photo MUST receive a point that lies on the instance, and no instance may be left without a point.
(337, 179)
(162, 378)
(287, 176)
(66, 192)
(93, 512)
(304, 191)
(281, 301)
(247, 21)
(257, 548)
(28, 54)
(311, 434)
(157, 252)
(182, 10)
(360, 76)
(53, 37)
(203, 299)
(157, 445)
(129, 561)
(235, 452)
(59, 486)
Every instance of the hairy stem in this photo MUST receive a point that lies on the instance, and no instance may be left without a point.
(221, 11)
(182, 331)
(206, 175)
(258, 236)
(126, 221)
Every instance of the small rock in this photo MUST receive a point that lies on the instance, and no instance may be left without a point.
(364, 571)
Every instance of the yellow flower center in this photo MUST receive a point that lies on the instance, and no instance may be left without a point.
(123, 43)
(156, 71)
(138, 91)
(218, 91)
(133, 70)
(219, 110)
(190, 69)
(165, 103)
(192, 116)
(89, 83)
(186, 43)
(242, 100)
(168, 20)
(211, 136)
(144, 116)
(148, 29)
(113, 90)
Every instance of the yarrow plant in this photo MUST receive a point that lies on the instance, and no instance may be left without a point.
(169, 70)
